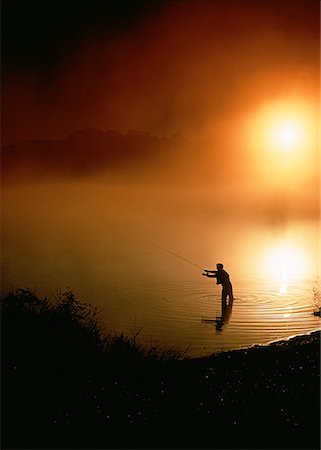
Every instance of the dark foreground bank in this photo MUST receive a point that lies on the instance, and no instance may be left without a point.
(66, 385)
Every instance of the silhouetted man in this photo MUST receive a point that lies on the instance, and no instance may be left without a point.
(223, 278)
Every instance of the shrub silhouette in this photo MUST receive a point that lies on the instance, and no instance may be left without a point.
(41, 329)
(49, 350)
(65, 384)
(56, 363)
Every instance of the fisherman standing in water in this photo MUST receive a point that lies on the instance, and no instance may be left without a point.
(223, 278)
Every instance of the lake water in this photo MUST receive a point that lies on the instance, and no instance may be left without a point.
(103, 242)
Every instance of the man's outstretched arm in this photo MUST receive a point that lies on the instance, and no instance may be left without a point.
(209, 272)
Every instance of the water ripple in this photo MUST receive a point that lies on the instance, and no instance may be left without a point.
(181, 312)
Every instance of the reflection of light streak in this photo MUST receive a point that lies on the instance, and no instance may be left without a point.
(283, 256)
(283, 288)
(285, 263)
(288, 314)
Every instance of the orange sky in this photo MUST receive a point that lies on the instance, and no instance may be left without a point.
(184, 67)
(204, 71)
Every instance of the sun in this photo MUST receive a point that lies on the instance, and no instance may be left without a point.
(283, 127)
(286, 135)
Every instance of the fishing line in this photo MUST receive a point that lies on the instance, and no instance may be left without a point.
(178, 256)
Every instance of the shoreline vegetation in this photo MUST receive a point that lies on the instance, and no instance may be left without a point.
(65, 384)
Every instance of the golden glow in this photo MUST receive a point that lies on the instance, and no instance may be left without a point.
(287, 135)
(284, 125)
(284, 263)
(282, 138)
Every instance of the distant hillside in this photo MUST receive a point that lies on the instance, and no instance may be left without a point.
(85, 152)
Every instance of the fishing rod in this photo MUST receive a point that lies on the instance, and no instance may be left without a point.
(179, 256)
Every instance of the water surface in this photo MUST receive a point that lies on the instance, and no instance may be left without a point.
(100, 241)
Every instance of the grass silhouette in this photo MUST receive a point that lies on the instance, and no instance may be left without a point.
(66, 384)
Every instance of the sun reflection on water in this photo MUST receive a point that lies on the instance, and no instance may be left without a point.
(286, 262)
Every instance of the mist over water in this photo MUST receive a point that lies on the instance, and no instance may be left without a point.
(102, 239)
(191, 126)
